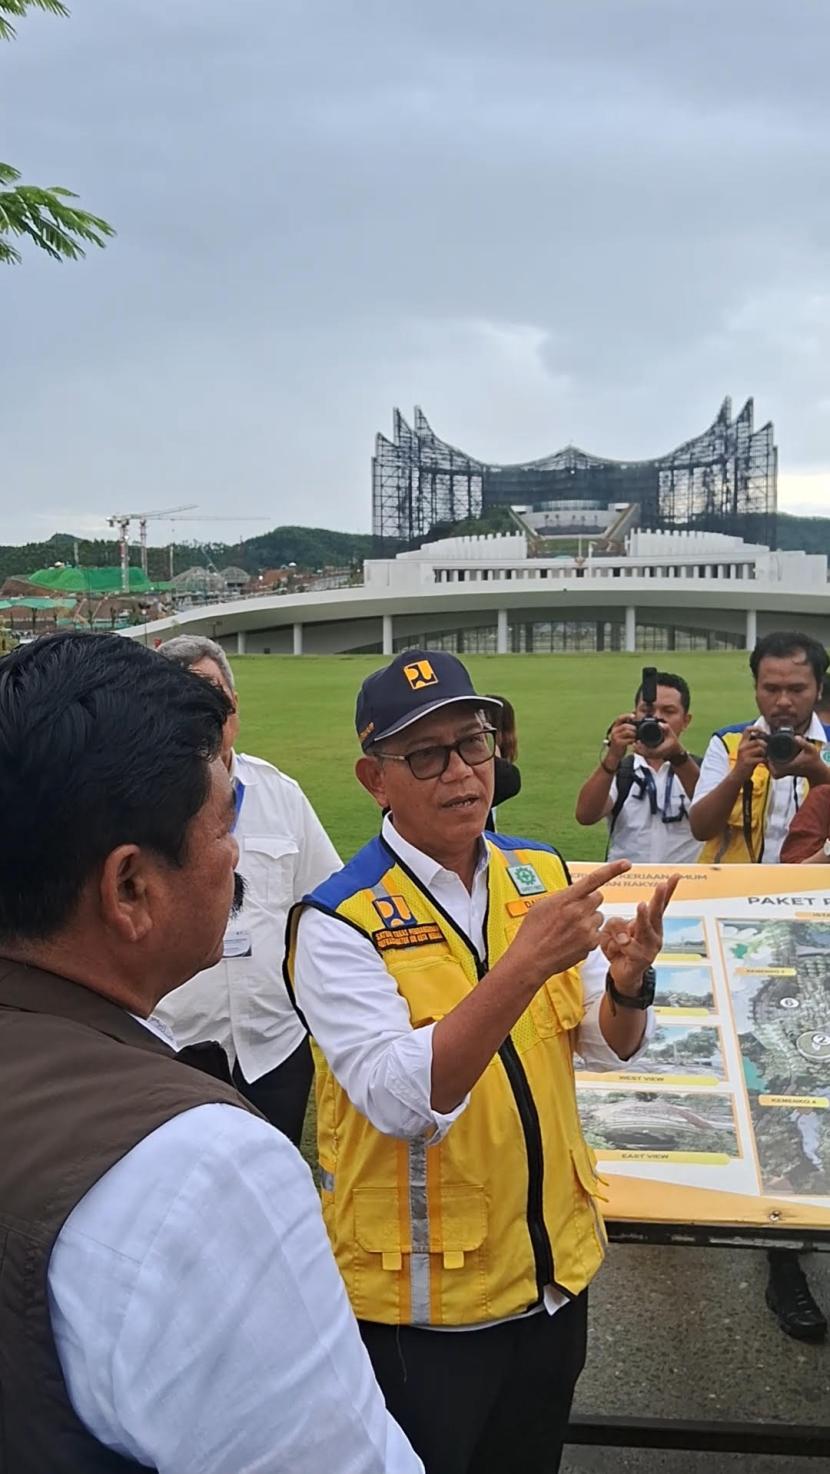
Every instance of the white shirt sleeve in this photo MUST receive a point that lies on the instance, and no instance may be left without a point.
(318, 859)
(362, 1025)
(713, 769)
(591, 1044)
(199, 1316)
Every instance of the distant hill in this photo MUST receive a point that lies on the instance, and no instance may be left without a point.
(308, 547)
(795, 534)
(321, 547)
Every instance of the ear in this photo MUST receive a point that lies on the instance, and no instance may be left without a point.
(125, 891)
(687, 717)
(370, 774)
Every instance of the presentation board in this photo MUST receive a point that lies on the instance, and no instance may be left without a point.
(726, 1117)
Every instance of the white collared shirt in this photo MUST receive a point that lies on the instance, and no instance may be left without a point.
(242, 1002)
(786, 795)
(200, 1319)
(652, 827)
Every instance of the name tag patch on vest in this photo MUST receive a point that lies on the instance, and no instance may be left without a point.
(526, 880)
(394, 912)
(411, 935)
(521, 908)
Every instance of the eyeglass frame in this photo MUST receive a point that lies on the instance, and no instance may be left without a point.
(449, 748)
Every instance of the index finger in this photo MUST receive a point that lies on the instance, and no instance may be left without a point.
(659, 902)
(595, 879)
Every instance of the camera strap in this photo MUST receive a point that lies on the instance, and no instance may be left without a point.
(746, 805)
(625, 780)
(629, 776)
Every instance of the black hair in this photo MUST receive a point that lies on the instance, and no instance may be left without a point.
(676, 683)
(102, 743)
(504, 721)
(783, 643)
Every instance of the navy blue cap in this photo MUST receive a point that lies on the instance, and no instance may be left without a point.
(413, 684)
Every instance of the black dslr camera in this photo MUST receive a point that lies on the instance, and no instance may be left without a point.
(782, 747)
(649, 731)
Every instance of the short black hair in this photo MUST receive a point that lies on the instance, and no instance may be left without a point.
(677, 683)
(102, 743)
(783, 643)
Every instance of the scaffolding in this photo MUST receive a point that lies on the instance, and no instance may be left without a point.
(725, 480)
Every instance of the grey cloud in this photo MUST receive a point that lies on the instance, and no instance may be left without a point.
(581, 220)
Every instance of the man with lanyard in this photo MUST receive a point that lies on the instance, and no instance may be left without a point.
(645, 794)
(242, 1002)
(439, 974)
(743, 808)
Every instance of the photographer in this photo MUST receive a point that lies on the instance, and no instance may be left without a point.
(756, 775)
(645, 794)
(754, 779)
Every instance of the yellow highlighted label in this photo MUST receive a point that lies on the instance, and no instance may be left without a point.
(707, 1159)
(627, 1077)
(670, 957)
(766, 972)
(669, 1012)
(793, 1102)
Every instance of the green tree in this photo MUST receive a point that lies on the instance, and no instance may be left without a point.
(46, 217)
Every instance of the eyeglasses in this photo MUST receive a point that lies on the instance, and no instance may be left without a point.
(431, 762)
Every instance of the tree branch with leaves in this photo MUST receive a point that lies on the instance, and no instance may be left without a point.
(45, 217)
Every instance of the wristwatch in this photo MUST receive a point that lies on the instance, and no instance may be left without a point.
(641, 1000)
(679, 759)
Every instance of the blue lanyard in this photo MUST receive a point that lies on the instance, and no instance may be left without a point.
(238, 801)
(645, 784)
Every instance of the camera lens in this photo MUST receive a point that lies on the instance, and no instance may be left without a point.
(649, 732)
(782, 746)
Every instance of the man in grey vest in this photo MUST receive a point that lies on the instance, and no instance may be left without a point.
(168, 1298)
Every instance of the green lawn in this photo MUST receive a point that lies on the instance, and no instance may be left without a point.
(299, 713)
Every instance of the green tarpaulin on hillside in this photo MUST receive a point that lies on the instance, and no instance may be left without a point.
(92, 581)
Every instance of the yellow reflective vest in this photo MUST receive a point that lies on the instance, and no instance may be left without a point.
(473, 1228)
(742, 841)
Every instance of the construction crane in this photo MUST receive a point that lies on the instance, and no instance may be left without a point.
(122, 521)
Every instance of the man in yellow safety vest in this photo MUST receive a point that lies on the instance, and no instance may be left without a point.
(447, 977)
(753, 780)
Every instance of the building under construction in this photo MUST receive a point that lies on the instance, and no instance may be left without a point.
(712, 483)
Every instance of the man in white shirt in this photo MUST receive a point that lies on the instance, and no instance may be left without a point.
(748, 795)
(242, 1002)
(439, 975)
(168, 1298)
(645, 794)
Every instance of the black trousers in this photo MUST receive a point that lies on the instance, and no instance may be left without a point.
(491, 1401)
(282, 1095)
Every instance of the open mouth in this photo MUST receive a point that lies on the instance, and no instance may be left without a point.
(468, 802)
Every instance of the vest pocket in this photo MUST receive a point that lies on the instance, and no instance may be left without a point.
(558, 1006)
(591, 1184)
(389, 1227)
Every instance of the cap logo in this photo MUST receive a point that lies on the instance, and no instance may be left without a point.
(420, 674)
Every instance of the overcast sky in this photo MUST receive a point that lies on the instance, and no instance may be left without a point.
(543, 221)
